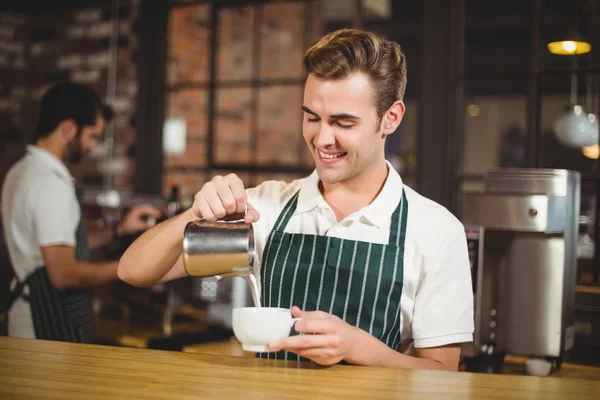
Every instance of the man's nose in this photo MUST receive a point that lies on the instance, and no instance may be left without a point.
(326, 136)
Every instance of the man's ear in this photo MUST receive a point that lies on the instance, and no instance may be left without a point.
(68, 129)
(392, 118)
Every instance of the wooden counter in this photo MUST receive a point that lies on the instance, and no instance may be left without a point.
(513, 365)
(42, 369)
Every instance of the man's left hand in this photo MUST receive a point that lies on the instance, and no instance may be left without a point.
(325, 338)
(136, 220)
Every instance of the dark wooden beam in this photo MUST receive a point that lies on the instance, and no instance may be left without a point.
(212, 90)
(440, 100)
(532, 154)
(152, 68)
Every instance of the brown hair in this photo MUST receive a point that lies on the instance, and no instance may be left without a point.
(345, 51)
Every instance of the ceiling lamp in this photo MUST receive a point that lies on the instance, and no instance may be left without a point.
(567, 38)
(569, 47)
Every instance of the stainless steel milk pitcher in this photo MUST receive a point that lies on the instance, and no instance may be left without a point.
(221, 248)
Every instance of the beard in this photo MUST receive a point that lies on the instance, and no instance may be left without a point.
(74, 151)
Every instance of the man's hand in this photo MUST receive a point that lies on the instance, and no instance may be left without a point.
(223, 195)
(327, 339)
(136, 219)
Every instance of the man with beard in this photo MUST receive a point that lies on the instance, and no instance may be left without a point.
(44, 225)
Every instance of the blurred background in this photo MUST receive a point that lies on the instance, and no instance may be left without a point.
(210, 87)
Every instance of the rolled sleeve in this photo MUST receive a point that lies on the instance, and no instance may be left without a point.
(443, 311)
(55, 213)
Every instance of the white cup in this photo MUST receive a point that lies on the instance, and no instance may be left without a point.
(538, 367)
(257, 327)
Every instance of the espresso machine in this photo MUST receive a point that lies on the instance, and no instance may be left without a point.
(522, 235)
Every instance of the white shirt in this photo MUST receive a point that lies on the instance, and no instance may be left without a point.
(437, 296)
(39, 208)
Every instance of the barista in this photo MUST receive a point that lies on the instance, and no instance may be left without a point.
(44, 227)
(368, 264)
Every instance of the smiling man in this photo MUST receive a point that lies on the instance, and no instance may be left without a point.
(369, 264)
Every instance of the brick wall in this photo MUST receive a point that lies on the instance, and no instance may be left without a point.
(13, 87)
(71, 45)
(74, 44)
(257, 119)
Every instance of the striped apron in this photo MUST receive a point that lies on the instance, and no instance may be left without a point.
(360, 282)
(61, 315)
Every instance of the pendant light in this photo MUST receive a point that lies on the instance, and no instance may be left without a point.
(571, 42)
(573, 128)
(570, 46)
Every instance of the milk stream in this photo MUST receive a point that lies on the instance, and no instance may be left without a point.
(253, 285)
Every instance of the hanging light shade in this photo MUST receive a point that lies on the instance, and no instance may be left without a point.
(567, 36)
(569, 47)
(572, 128)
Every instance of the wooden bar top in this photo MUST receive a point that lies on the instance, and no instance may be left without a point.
(54, 370)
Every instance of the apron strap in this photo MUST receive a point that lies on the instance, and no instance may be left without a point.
(280, 224)
(13, 295)
(287, 213)
(82, 248)
(398, 226)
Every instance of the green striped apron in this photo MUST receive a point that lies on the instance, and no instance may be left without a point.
(62, 315)
(360, 282)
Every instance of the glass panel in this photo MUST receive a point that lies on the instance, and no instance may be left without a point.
(233, 126)
(236, 28)
(555, 103)
(282, 43)
(560, 21)
(280, 125)
(189, 47)
(397, 20)
(496, 69)
(189, 183)
(494, 133)
(401, 146)
(337, 14)
(192, 106)
(497, 39)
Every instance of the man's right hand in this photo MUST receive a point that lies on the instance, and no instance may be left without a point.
(223, 195)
